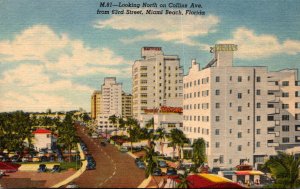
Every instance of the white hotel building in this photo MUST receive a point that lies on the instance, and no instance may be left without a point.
(243, 113)
(157, 81)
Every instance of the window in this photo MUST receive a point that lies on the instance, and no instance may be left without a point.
(285, 106)
(239, 95)
(270, 118)
(297, 138)
(230, 104)
(239, 135)
(257, 79)
(258, 131)
(239, 121)
(285, 140)
(217, 144)
(297, 105)
(257, 118)
(258, 105)
(271, 106)
(217, 79)
(217, 118)
(285, 128)
(297, 127)
(239, 78)
(257, 144)
(297, 94)
(285, 83)
(48, 135)
(285, 117)
(297, 116)
(285, 94)
(217, 131)
(239, 147)
(230, 91)
(217, 92)
(230, 78)
(217, 105)
(230, 131)
(239, 108)
(248, 78)
(257, 92)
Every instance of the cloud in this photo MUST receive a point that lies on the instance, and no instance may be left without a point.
(254, 46)
(52, 63)
(29, 88)
(175, 28)
(59, 53)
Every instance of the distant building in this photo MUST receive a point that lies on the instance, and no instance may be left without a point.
(126, 105)
(245, 114)
(110, 100)
(157, 81)
(44, 139)
(96, 104)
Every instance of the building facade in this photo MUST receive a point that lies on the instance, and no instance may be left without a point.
(126, 105)
(96, 104)
(241, 112)
(157, 81)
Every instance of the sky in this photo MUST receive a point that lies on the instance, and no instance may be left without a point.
(54, 54)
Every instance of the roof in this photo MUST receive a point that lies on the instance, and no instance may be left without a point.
(9, 167)
(41, 131)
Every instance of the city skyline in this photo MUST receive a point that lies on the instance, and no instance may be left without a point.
(55, 54)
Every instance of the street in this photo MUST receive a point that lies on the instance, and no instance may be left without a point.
(114, 169)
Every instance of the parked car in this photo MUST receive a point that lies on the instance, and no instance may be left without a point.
(52, 158)
(162, 163)
(157, 172)
(123, 149)
(171, 171)
(137, 160)
(141, 165)
(35, 159)
(44, 159)
(72, 185)
(42, 168)
(56, 169)
(16, 158)
(91, 166)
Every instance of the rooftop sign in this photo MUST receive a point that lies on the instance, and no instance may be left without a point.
(223, 47)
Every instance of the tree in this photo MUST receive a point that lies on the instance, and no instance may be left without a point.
(177, 138)
(183, 181)
(121, 123)
(132, 124)
(150, 123)
(285, 169)
(113, 119)
(150, 160)
(199, 148)
(160, 135)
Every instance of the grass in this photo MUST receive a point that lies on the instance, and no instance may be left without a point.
(68, 165)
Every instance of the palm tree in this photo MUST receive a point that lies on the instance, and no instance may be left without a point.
(177, 138)
(150, 123)
(183, 181)
(113, 119)
(199, 147)
(150, 160)
(121, 123)
(285, 168)
(131, 122)
(160, 135)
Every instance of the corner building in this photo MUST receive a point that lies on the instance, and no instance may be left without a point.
(157, 81)
(245, 114)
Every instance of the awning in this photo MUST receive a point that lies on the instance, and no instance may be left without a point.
(249, 173)
(209, 181)
(9, 167)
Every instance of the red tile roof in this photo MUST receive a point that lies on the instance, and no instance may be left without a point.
(41, 131)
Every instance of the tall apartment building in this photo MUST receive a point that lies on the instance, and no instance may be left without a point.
(157, 81)
(126, 105)
(111, 102)
(243, 113)
(95, 104)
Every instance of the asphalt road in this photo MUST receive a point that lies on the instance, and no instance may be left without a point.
(113, 168)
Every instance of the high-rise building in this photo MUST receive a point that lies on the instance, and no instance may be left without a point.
(126, 105)
(95, 104)
(245, 114)
(111, 102)
(157, 81)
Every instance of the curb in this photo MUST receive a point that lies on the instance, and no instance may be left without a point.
(75, 175)
(145, 183)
